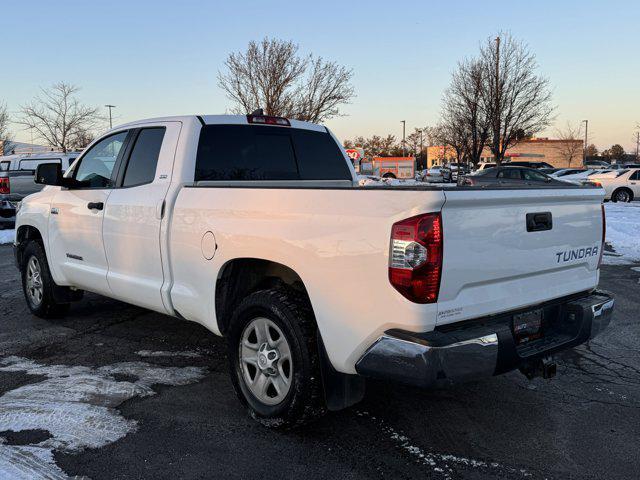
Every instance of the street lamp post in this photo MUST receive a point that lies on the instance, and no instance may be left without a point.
(110, 122)
(421, 147)
(586, 137)
(404, 145)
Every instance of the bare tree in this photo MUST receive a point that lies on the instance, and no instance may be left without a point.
(519, 100)
(466, 119)
(5, 134)
(81, 139)
(570, 148)
(592, 150)
(57, 117)
(272, 75)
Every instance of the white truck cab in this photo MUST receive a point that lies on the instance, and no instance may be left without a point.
(255, 227)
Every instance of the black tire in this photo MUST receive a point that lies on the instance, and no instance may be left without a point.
(47, 307)
(388, 175)
(622, 195)
(291, 311)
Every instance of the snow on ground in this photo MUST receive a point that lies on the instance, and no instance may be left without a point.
(7, 236)
(623, 233)
(370, 181)
(76, 406)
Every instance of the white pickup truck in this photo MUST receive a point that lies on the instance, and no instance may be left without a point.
(256, 228)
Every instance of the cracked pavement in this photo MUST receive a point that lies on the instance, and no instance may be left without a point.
(583, 424)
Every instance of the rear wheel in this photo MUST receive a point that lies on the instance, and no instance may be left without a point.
(622, 195)
(38, 285)
(273, 358)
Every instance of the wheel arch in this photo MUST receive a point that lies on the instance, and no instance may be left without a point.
(239, 277)
(24, 235)
(627, 189)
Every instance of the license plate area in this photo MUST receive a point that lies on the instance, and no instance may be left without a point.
(527, 326)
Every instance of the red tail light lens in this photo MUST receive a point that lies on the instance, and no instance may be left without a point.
(415, 258)
(266, 120)
(604, 234)
(5, 187)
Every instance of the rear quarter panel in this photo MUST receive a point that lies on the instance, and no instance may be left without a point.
(337, 241)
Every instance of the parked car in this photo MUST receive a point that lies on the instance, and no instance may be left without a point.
(524, 163)
(576, 176)
(451, 171)
(566, 171)
(504, 176)
(434, 174)
(485, 165)
(255, 227)
(623, 187)
(597, 164)
(549, 171)
(17, 179)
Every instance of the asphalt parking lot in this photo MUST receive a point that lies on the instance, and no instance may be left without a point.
(114, 391)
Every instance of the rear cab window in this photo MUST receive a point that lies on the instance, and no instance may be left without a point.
(256, 152)
(141, 167)
(31, 164)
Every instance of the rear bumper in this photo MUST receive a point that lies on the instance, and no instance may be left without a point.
(484, 347)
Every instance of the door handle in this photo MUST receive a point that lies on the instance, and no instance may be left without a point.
(95, 205)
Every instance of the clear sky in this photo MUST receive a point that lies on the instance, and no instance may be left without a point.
(155, 58)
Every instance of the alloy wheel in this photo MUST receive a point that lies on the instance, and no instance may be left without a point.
(265, 361)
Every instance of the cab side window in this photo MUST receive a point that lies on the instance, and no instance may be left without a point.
(141, 167)
(635, 176)
(96, 166)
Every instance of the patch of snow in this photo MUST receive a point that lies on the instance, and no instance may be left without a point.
(7, 236)
(623, 227)
(77, 406)
(441, 463)
(162, 353)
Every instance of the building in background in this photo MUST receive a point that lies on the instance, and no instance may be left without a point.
(559, 153)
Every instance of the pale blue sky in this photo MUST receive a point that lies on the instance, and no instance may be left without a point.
(154, 58)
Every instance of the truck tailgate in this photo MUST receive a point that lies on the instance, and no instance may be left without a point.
(494, 262)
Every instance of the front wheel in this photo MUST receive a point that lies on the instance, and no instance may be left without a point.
(38, 285)
(273, 358)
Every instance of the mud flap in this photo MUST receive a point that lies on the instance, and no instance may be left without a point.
(340, 389)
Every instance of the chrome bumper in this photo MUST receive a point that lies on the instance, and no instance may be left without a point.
(480, 348)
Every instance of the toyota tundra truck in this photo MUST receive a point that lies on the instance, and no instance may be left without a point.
(255, 227)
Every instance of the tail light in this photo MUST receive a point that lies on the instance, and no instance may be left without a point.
(5, 186)
(415, 258)
(604, 234)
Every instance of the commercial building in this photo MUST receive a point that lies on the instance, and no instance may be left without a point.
(559, 153)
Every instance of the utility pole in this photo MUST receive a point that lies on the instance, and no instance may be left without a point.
(638, 146)
(421, 148)
(586, 138)
(404, 145)
(110, 122)
(496, 116)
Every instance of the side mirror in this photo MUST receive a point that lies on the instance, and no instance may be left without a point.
(49, 174)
